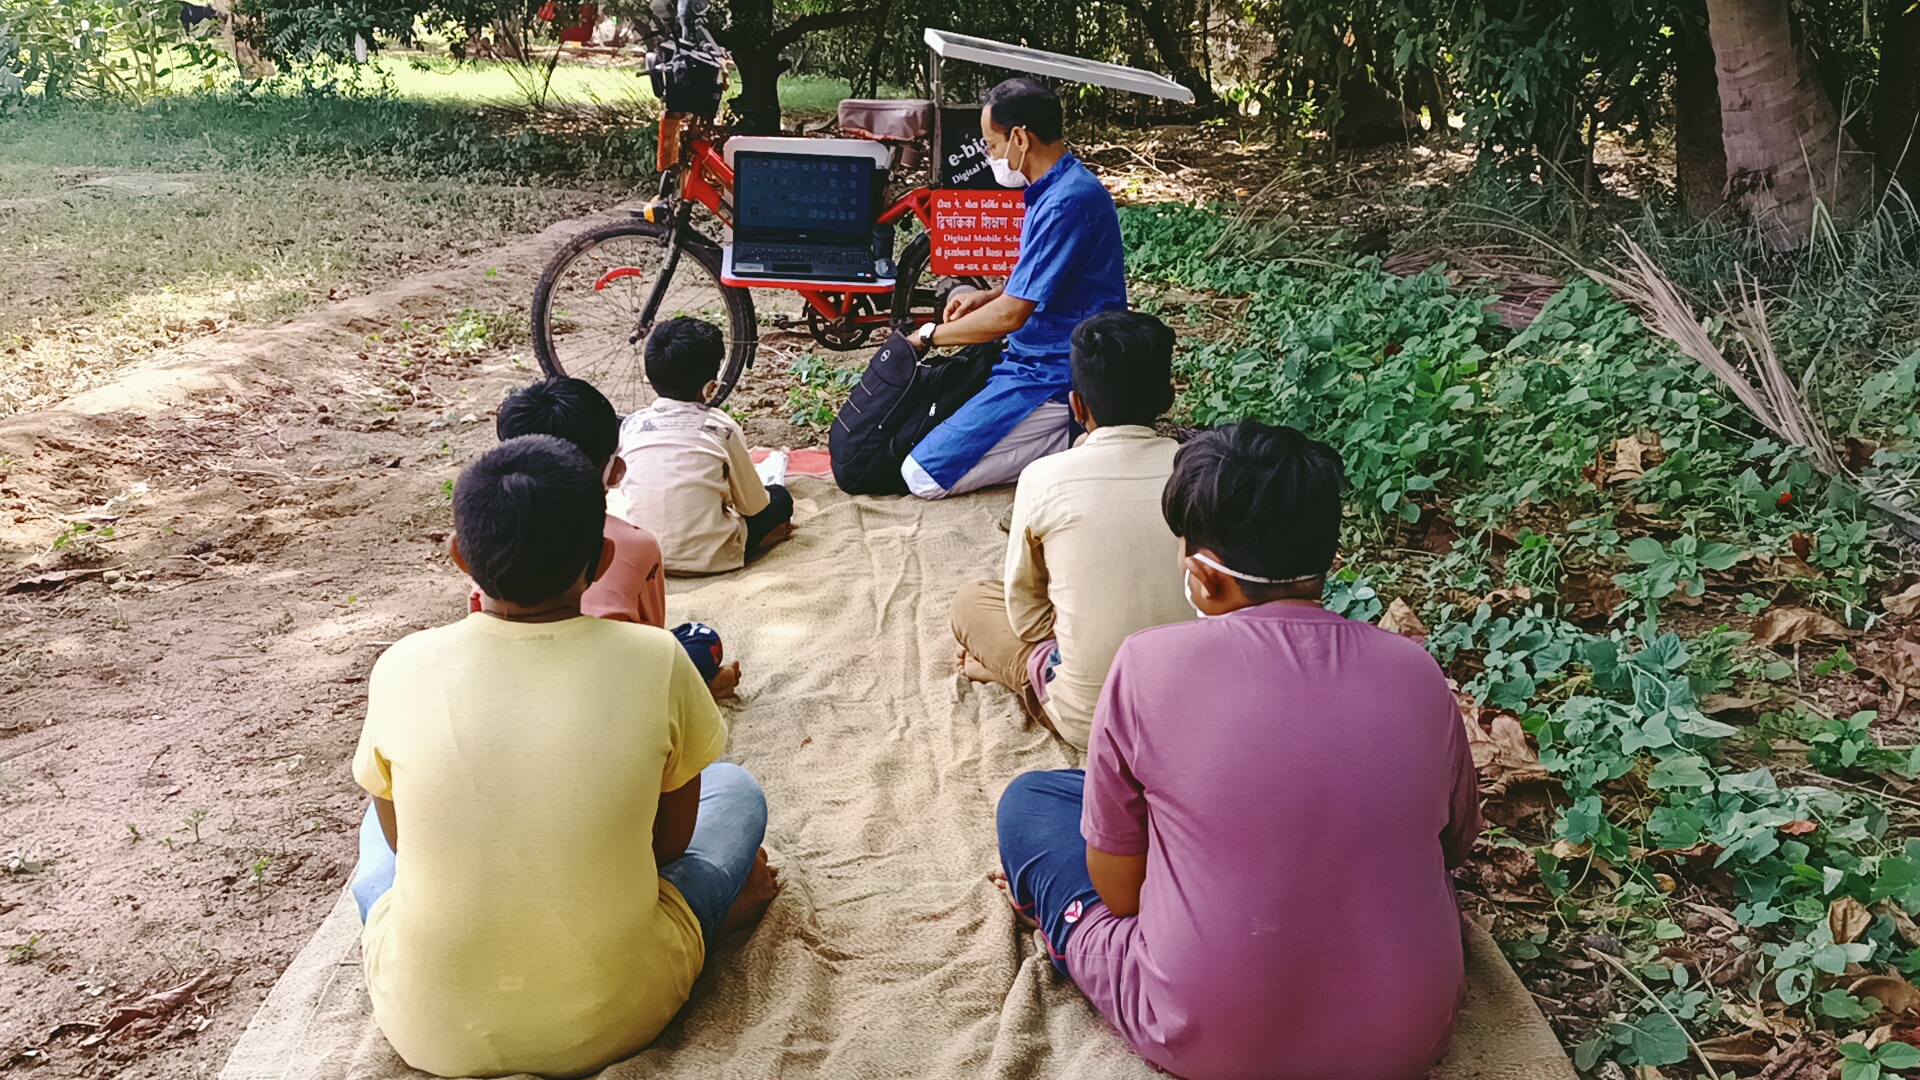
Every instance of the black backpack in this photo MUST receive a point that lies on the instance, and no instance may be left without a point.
(900, 399)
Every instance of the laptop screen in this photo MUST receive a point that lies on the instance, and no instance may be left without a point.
(803, 198)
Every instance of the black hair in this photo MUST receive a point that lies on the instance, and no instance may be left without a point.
(1026, 103)
(1123, 367)
(569, 409)
(683, 356)
(529, 516)
(1265, 500)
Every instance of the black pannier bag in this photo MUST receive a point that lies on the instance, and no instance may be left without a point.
(901, 398)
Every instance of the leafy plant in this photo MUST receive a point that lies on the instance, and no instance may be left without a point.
(1670, 567)
(820, 389)
(1857, 1062)
(124, 49)
(1352, 594)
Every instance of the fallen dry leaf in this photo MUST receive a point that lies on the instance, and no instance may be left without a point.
(1590, 597)
(1896, 996)
(1900, 667)
(1632, 455)
(1799, 828)
(1759, 1019)
(1801, 1061)
(1859, 453)
(1400, 619)
(1498, 597)
(1792, 625)
(1848, 919)
(1502, 754)
(1903, 603)
(1904, 927)
(1747, 1048)
(150, 1007)
(1719, 703)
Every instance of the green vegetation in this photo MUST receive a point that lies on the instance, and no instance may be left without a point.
(1589, 599)
(821, 387)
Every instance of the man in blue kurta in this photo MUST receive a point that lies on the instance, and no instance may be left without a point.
(1070, 266)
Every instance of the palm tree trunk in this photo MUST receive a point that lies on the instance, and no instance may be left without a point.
(1787, 154)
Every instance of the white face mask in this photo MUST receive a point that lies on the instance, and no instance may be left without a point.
(1004, 173)
(1190, 601)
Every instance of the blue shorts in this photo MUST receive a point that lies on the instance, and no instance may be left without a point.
(726, 840)
(1044, 855)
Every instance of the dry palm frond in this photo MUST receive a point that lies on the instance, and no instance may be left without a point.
(1760, 384)
(1259, 225)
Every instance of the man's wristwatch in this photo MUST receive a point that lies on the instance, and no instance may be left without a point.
(923, 337)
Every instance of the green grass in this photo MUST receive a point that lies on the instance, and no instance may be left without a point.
(293, 196)
(810, 93)
(485, 82)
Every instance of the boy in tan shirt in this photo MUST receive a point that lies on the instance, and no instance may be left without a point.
(1090, 559)
(690, 480)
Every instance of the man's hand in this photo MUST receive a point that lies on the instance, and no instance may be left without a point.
(959, 303)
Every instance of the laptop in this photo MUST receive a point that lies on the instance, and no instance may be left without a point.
(803, 217)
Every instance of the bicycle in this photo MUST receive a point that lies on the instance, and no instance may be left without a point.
(601, 294)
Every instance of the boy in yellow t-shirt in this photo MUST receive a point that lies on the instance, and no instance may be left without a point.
(525, 755)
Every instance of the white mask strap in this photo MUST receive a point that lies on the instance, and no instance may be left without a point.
(1251, 577)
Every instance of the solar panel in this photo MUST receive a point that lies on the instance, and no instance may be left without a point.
(951, 46)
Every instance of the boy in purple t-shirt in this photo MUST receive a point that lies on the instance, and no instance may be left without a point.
(1273, 800)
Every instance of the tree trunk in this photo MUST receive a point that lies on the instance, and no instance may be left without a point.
(1896, 100)
(1787, 154)
(756, 108)
(870, 70)
(1699, 157)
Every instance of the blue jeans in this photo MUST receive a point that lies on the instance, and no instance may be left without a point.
(726, 839)
(1044, 855)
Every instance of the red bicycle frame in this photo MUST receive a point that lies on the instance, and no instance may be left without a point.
(709, 182)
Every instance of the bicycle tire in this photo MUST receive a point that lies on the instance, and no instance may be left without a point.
(908, 270)
(704, 253)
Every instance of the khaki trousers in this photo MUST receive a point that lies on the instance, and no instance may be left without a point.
(981, 626)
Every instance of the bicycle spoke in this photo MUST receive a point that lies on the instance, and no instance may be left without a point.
(594, 312)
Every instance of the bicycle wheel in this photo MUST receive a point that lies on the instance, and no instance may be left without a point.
(589, 306)
(918, 297)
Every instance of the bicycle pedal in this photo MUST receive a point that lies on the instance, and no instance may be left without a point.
(656, 211)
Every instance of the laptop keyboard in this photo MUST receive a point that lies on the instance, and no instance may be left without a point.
(806, 259)
(835, 256)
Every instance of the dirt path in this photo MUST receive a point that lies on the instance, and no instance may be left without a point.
(243, 524)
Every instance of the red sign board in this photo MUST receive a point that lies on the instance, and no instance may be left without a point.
(976, 232)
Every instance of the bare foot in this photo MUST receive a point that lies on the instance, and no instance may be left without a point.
(763, 884)
(775, 535)
(975, 670)
(725, 681)
(1020, 918)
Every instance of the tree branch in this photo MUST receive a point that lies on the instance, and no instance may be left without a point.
(825, 20)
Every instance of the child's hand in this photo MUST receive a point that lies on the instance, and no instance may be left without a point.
(725, 681)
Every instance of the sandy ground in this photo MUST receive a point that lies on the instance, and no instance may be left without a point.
(243, 523)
